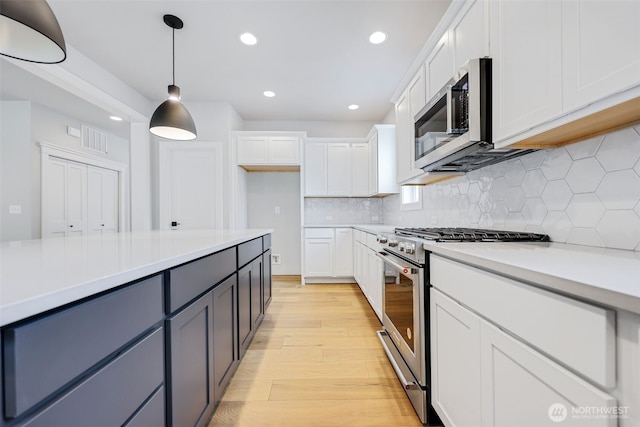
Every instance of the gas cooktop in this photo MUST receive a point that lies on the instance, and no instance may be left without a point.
(470, 235)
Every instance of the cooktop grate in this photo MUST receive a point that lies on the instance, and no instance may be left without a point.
(471, 235)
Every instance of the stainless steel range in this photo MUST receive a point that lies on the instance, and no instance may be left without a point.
(405, 321)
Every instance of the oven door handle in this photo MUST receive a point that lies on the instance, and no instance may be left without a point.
(406, 384)
(406, 270)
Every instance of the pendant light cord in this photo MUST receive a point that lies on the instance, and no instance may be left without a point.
(173, 54)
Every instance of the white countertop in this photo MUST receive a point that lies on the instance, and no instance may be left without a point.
(39, 275)
(370, 228)
(608, 276)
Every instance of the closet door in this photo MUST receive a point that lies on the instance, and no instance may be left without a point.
(64, 198)
(102, 197)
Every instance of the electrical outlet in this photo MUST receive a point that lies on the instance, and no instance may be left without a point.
(275, 259)
(277, 210)
(15, 209)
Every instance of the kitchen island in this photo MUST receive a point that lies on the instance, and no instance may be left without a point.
(140, 328)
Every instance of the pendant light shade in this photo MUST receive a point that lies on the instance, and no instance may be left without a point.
(171, 120)
(30, 31)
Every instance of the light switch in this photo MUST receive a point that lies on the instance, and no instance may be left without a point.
(277, 210)
(15, 209)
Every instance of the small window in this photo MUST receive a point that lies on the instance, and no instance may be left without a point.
(411, 198)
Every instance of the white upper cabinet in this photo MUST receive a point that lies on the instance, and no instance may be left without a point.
(382, 156)
(315, 169)
(412, 101)
(439, 66)
(526, 64)
(360, 170)
(468, 33)
(268, 150)
(338, 169)
(601, 52)
(351, 167)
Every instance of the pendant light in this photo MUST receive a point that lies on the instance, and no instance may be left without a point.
(171, 119)
(30, 31)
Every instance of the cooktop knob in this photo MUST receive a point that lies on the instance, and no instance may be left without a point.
(393, 243)
(382, 239)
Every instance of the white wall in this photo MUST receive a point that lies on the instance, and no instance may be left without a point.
(587, 193)
(24, 124)
(316, 129)
(265, 192)
(16, 171)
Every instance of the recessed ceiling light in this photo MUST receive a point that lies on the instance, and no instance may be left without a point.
(377, 37)
(248, 39)
(353, 107)
(116, 118)
(269, 93)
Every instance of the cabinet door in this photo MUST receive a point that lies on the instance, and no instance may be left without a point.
(225, 334)
(526, 65)
(417, 93)
(338, 169)
(257, 307)
(284, 150)
(318, 257)
(404, 140)
(455, 362)
(267, 289)
(374, 281)
(343, 264)
(360, 170)
(522, 387)
(469, 38)
(439, 66)
(190, 358)
(601, 49)
(102, 200)
(315, 169)
(253, 150)
(244, 308)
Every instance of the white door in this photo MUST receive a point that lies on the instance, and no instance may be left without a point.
(102, 200)
(190, 185)
(64, 201)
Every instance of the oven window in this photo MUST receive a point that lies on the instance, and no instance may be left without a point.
(398, 304)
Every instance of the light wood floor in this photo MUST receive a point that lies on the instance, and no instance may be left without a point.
(315, 361)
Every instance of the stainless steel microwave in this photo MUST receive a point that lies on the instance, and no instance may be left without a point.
(453, 131)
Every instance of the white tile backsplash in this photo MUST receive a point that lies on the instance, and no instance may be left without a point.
(342, 211)
(586, 193)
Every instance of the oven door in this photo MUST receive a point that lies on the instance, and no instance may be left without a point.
(404, 312)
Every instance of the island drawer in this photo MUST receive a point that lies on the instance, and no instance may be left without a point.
(114, 393)
(46, 354)
(248, 251)
(578, 334)
(191, 280)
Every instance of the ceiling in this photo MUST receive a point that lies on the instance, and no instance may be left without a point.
(315, 55)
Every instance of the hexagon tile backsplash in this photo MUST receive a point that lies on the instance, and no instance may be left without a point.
(587, 193)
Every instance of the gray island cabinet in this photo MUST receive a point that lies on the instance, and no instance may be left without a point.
(158, 351)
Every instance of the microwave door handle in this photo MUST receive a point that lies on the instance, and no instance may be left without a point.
(449, 109)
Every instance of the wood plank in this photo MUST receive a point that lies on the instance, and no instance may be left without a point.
(315, 361)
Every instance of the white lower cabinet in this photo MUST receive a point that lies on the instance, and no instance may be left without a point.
(482, 376)
(328, 252)
(455, 362)
(522, 387)
(367, 269)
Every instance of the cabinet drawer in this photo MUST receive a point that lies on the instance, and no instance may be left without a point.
(43, 355)
(372, 243)
(318, 233)
(578, 334)
(194, 278)
(248, 251)
(151, 414)
(266, 242)
(114, 393)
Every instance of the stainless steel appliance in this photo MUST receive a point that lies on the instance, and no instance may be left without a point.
(405, 320)
(453, 131)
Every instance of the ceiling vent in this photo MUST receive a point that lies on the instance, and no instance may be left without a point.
(94, 139)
